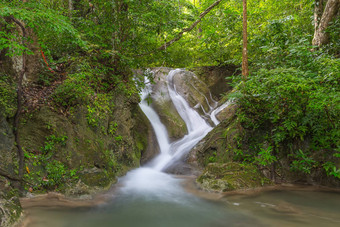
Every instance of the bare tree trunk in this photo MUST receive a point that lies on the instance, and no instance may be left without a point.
(245, 71)
(321, 37)
(318, 10)
(70, 8)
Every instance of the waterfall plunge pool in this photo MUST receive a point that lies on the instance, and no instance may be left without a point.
(176, 205)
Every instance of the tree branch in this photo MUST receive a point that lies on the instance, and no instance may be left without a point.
(180, 34)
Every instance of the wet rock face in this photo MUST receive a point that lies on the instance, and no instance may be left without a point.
(10, 209)
(190, 87)
(163, 105)
(195, 91)
(219, 144)
(216, 78)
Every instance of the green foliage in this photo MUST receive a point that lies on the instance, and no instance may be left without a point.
(331, 169)
(265, 157)
(51, 28)
(291, 97)
(213, 157)
(92, 86)
(302, 162)
(55, 171)
(295, 105)
(112, 128)
(47, 173)
(98, 109)
(118, 138)
(73, 91)
(51, 141)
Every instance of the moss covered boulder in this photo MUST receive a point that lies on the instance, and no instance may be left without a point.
(214, 156)
(219, 144)
(222, 177)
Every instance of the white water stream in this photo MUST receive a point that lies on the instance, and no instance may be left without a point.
(150, 180)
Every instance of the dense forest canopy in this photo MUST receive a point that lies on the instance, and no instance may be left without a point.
(134, 30)
(292, 91)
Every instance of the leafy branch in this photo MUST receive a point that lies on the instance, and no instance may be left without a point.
(180, 34)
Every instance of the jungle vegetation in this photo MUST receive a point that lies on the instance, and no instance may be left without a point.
(291, 92)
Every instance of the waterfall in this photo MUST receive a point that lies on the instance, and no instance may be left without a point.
(217, 110)
(161, 132)
(150, 180)
(196, 125)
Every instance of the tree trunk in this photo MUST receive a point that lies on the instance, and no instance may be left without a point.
(70, 8)
(245, 71)
(321, 37)
(319, 5)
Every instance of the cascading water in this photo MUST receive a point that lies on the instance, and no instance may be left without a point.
(150, 179)
(196, 125)
(218, 110)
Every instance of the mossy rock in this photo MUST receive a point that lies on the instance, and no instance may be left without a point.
(96, 178)
(174, 124)
(219, 144)
(87, 147)
(10, 208)
(162, 104)
(222, 177)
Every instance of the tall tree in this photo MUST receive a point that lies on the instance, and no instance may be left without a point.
(321, 36)
(245, 71)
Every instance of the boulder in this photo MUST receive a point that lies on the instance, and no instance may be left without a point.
(162, 104)
(222, 177)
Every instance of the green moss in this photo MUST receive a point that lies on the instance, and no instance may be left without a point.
(7, 96)
(87, 147)
(96, 177)
(10, 208)
(170, 118)
(223, 177)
